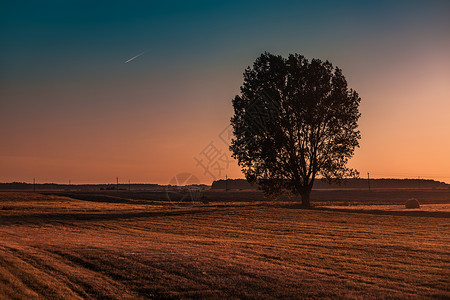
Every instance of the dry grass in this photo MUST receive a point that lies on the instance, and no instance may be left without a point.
(59, 247)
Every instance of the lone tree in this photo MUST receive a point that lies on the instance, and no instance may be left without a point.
(294, 120)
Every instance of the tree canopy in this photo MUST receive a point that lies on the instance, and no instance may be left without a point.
(294, 120)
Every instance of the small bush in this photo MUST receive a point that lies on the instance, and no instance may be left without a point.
(412, 203)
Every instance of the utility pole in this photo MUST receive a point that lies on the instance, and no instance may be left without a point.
(368, 180)
(34, 184)
(117, 182)
(419, 182)
(226, 183)
(129, 185)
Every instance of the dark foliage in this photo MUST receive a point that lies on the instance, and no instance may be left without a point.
(294, 120)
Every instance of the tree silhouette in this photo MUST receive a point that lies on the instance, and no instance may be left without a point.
(294, 120)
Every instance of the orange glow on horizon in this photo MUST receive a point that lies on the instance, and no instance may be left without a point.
(71, 109)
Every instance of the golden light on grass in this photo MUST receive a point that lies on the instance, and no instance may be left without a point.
(56, 246)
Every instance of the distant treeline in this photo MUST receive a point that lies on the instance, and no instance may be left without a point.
(242, 184)
(232, 184)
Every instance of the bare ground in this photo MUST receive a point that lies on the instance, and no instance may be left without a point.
(127, 245)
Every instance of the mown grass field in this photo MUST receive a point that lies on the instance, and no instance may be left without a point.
(137, 245)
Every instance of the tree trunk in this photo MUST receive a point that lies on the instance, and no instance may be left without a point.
(305, 197)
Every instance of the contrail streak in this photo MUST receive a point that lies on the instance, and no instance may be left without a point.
(134, 57)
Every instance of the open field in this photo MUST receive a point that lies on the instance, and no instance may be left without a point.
(138, 245)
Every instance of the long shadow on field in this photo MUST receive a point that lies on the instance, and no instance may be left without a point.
(412, 213)
(124, 197)
(40, 218)
(104, 198)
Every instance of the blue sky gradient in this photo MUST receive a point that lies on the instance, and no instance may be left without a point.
(63, 75)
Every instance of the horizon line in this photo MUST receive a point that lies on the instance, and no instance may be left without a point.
(220, 179)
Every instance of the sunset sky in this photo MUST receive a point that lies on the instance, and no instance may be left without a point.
(72, 109)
